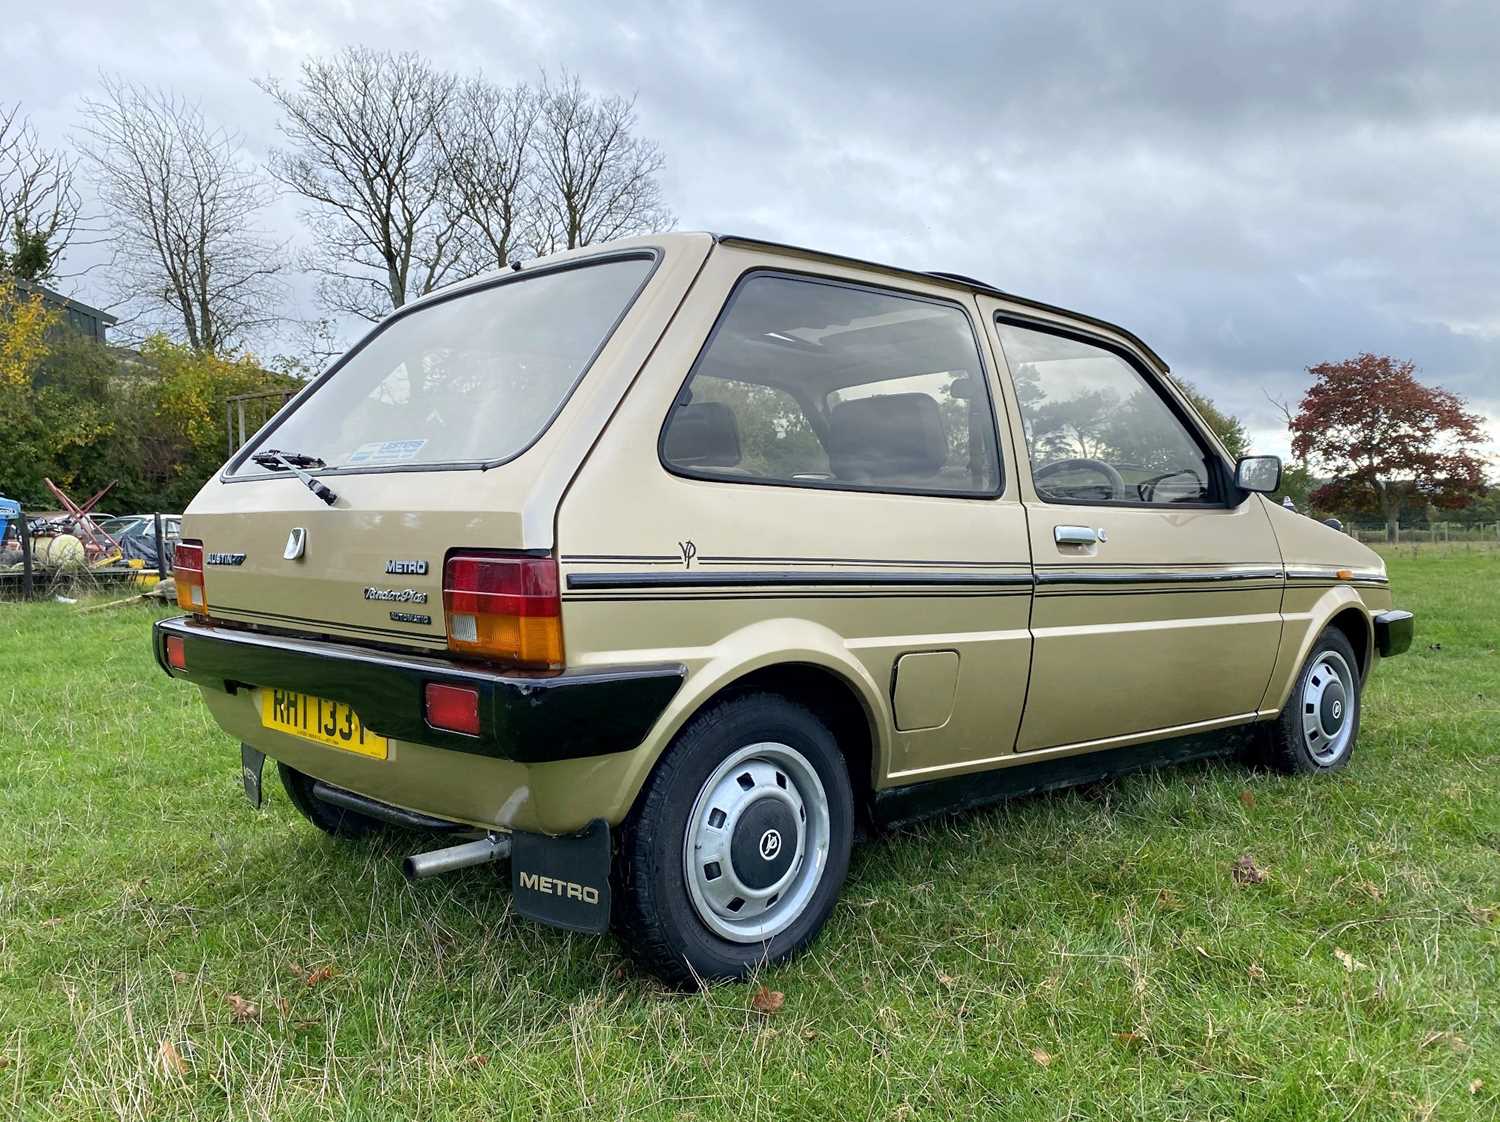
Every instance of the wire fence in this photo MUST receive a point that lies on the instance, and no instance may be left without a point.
(1432, 533)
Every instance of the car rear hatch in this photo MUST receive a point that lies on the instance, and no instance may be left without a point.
(436, 433)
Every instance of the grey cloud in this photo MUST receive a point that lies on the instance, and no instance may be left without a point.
(1251, 186)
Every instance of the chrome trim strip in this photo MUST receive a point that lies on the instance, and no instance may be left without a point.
(1157, 576)
(1366, 576)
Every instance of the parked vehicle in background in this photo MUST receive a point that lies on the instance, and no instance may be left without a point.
(136, 535)
(660, 566)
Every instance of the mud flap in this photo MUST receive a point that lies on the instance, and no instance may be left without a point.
(563, 882)
(251, 765)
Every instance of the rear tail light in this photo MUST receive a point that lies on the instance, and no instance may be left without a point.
(505, 607)
(454, 708)
(187, 571)
(176, 652)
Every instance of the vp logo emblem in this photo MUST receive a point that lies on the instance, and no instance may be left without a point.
(770, 844)
(1338, 710)
(689, 551)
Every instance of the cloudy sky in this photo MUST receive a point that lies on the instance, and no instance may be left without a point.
(1252, 187)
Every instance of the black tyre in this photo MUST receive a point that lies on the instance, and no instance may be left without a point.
(738, 845)
(1317, 729)
(332, 820)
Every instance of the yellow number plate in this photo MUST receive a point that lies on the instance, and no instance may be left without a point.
(313, 718)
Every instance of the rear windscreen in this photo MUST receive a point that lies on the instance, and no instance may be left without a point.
(473, 379)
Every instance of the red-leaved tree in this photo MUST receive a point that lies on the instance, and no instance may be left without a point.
(1386, 439)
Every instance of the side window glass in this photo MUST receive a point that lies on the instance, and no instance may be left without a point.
(825, 384)
(1096, 430)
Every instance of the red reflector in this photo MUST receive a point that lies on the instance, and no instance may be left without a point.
(176, 652)
(455, 708)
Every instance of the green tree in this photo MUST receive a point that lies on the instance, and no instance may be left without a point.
(1226, 426)
(48, 424)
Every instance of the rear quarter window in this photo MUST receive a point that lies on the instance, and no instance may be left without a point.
(819, 383)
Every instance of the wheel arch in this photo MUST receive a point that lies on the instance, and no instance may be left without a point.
(1354, 622)
(1339, 607)
(804, 663)
(834, 700)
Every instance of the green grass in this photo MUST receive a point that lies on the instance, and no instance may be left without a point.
(1075, 955)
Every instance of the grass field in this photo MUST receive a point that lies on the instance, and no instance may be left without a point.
(1076, 955)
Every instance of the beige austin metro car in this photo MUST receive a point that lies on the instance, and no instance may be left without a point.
(664, 567)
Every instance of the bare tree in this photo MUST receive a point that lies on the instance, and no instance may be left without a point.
(595, 179)
(487, 141)
(364, 150)
(39, 206)
(183, 206)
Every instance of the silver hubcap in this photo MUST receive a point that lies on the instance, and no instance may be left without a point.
(756, 843)
(1329, 696)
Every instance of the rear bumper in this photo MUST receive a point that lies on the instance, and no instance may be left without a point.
(526, 717)
(1393, 632)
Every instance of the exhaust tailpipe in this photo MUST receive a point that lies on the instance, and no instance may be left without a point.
(491, 847)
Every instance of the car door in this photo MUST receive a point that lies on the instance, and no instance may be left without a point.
(1158, 584)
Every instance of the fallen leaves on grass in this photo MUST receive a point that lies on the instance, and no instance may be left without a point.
(1351, 963)
(170, 1060)
(1482, 916)
(53, 921)
(767, 1001)
(477, 1059)
(311, 978)
(1043, 1059)
(1448, 1039)
(1129, 1039)
(242, 1010)
(1246, 870)
(1167, 900)
(1247, 799)
(1475, 1086)
(947, 981)
(4, 1062)
(1256, 972)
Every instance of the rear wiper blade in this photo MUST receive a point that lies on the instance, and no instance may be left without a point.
(274, 458)
(294, 462)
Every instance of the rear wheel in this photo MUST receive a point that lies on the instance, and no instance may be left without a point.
(739, 843)
(333, 820)
(1317, 729)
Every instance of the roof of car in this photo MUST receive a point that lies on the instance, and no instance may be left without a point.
(957, 280)
(960, 280)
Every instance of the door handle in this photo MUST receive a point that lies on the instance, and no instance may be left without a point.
(1076, 535)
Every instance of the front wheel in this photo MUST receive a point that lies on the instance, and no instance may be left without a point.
(1317, 729)
(739, 843)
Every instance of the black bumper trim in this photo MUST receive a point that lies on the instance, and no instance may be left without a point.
(529, 717)
(1393, 632)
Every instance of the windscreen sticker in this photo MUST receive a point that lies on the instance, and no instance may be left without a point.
(385, 452)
